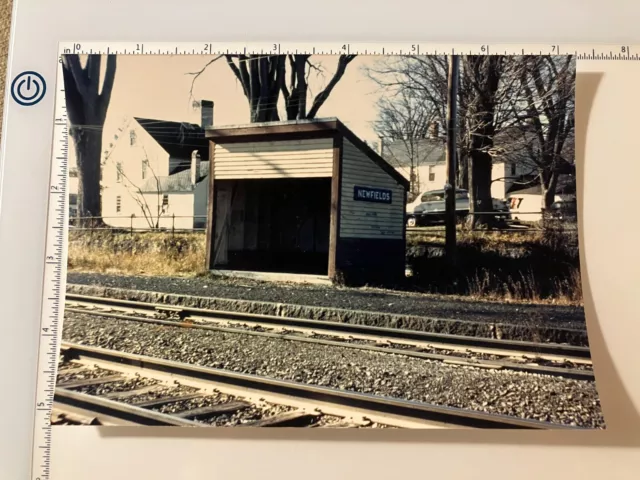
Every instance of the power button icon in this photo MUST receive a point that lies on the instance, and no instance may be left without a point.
(28, 88)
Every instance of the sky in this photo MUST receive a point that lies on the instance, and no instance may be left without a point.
(158, 87)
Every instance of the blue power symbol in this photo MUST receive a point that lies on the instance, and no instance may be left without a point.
(28, 88)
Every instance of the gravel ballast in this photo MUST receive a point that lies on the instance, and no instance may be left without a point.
(536, 323)
(558, 400)
(386, 301)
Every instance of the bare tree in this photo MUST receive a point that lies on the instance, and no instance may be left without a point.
(135, 191)
(138, 196)
(546, 117)
(87, 106)
(510, 109)
(403, 121)
(264, 77)
(426, 78)
(482, 74)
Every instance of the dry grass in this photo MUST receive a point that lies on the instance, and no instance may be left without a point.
(494, 241)
(524, 288)
(540, 266)
(153, 253)
(532, 267)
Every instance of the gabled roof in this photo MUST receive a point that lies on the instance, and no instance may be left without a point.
(299, 129)
(426, 151)
(177, 183)
(178, 139)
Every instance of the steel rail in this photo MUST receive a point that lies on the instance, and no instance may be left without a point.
(449, 359)
(387, 405)
(129, 413)
(405, 334)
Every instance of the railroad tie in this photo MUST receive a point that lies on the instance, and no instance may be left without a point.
(213, 410)
(131, 393)
(344, 424)
(85, 382)
(165, 400)
(73, 370)
(290, 419)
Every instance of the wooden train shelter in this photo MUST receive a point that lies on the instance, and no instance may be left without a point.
(303, 198)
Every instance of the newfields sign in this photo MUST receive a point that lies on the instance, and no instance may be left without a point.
(369, 194)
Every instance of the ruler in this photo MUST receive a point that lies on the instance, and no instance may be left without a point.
(581, 51)
(55, 270)
(56, 242)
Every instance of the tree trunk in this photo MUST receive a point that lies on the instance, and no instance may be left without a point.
(87, 105)
(412, 179)
(463, 142)
(462, 180)
(88, 145)
(549, 184)
(480, 198)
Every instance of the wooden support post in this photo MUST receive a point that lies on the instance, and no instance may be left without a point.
(450, 187)
(334, 224)
(211, 210)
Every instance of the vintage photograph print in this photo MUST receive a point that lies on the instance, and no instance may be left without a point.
(323, 241)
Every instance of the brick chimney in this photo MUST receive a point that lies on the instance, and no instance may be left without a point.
(434, 130)
(206, 113)
(195, 167)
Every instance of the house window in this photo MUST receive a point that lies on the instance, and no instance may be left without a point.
(145, 164)
(165, 201)
(513, 169)
(118, 204)
(432, 174)
(132, 137)
(119, 172)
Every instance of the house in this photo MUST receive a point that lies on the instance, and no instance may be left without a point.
(511, 167)
(303, 198)
(526, 202)
(421, 161)
(153, 174)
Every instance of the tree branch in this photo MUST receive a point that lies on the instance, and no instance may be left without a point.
(322, 96)
(78, 73)
(200, 72)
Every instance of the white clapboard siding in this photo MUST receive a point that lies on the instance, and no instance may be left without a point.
(367, 219)
(277, 159)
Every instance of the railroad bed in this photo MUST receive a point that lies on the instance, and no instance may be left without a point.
(484, 382)
(533, 323)
(104, 387)
(549, 359)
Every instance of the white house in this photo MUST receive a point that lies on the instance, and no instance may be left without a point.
(153, 175)
(525, 203)
(510, 171)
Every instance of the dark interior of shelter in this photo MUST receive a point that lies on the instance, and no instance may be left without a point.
(273, 225)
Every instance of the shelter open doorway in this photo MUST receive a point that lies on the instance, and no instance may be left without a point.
(278, 225)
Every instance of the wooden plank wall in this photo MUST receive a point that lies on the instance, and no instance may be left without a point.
(276, 159)
(363, 219)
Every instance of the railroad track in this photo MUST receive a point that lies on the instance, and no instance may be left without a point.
(99, 386)
(547, 359)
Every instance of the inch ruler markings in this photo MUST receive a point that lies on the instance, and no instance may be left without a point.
(57, 216)
(53, 290)
(581, 51)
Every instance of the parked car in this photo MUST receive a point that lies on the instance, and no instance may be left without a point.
(429, 208)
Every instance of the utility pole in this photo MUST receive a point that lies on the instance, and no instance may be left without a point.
(450, 187)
